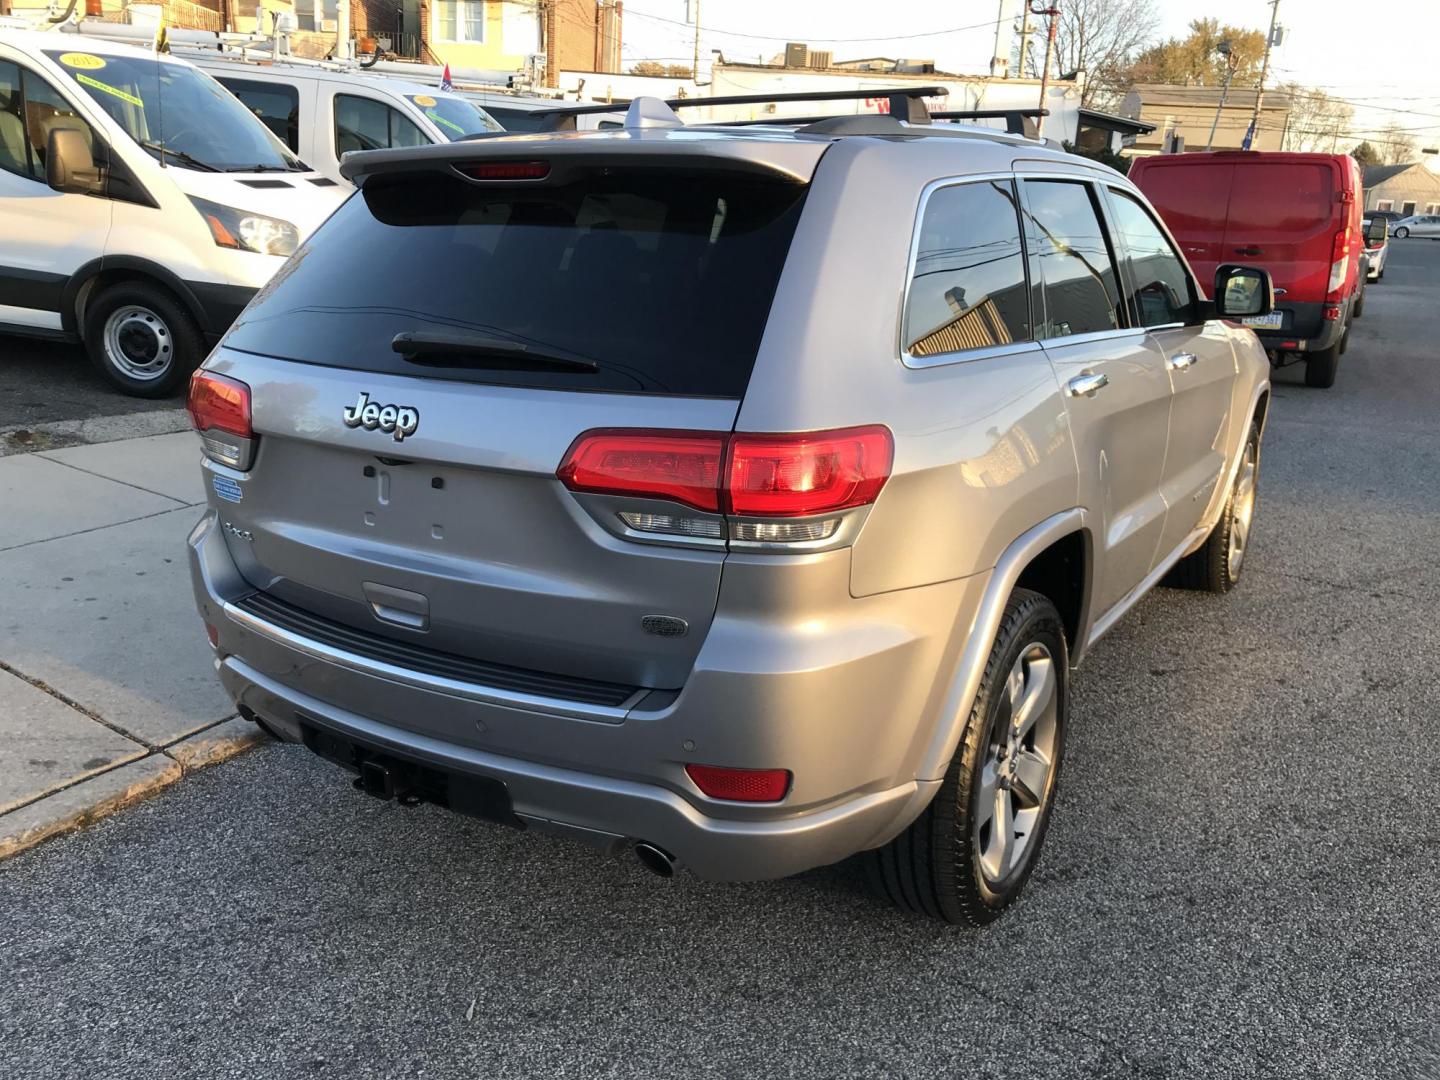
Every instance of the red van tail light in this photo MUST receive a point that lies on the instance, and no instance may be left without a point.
(746, 475)
(220, 411)
(681, 466)
(808, 473)
(1339, 265)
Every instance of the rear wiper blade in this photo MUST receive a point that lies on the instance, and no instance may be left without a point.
(178, 155)
(481, 350)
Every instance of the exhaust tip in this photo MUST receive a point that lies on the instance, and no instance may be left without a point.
(655, 859)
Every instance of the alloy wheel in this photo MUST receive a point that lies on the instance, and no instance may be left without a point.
(1243, 511)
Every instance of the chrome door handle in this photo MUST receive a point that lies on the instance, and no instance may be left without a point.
(1182, 360)
(1086, 384)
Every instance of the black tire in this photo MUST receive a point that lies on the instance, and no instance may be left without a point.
(1401, 233)
(1344, 341)
(1359, 308)
(1380, 276)
(1320, 368)
(1212, 568)
(935, 867)
(151, 327)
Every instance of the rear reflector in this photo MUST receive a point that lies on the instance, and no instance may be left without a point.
(1330, 312)
(220, 411)
(506, 170)
(743, 474)
(740, 785)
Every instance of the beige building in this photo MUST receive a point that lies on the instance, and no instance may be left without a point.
(1408, 189)
(1189, 111)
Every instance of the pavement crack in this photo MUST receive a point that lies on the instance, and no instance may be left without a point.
(97, 528)
(49, 793)
(101, 476)
(44, 687)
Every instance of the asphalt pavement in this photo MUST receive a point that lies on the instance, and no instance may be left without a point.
(1242, 878)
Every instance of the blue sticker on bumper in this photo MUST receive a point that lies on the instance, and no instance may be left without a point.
(227, 489)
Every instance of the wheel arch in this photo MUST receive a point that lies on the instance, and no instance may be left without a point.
(113, 269)
(1062, 573)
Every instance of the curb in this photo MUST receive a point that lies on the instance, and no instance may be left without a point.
(85, 803)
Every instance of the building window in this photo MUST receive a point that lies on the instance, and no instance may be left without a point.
(1385, 204)
(1432, 208)
(460, 20)
(1407, 209)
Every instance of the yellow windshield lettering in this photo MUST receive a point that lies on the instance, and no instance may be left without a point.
(106, 88)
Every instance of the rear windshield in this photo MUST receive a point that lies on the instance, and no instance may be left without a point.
(664, 280)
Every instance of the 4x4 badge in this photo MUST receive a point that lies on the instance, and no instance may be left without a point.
(402, 420)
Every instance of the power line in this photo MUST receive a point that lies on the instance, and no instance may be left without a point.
(810, 38)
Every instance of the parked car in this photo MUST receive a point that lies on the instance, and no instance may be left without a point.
(1391, 216)
(1377, 245)
(1416, 225)
(141, 206)
(742, 496)
(1296, 215)
(322, 111)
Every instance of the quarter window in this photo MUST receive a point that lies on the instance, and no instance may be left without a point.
(460, 20)
(1081, 295)
(1160, 286)
(968, 287)
(277, 106)
(367, 124)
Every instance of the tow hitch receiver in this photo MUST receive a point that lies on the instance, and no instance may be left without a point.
(377, 780)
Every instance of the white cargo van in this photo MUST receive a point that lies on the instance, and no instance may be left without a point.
(141, 205)
(322, 112)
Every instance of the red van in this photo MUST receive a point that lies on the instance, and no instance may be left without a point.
(1296, 215)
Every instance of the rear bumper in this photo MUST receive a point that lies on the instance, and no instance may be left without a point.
(849, 712)
(1306, 328)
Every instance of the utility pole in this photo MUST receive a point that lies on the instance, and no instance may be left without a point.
(1052, 12)
(1264, 70)
(1232, 62)
(695, 66)
(1024, 40)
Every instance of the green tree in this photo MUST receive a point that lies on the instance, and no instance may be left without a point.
(1194, 60)
(1366, 155)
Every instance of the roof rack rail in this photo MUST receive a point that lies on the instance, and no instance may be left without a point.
(906, 103)
(1017, 121)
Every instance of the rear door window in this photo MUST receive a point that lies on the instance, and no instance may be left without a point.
(968, 288)
(363, 123)
(663, 279)
(276, 104)
(1160, 288)
(1082, 294)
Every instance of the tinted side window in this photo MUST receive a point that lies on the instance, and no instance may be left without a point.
(366, 124)
(277, 106)
(1081, 295)
(968, 289)
(1161, 287)
(14, 146)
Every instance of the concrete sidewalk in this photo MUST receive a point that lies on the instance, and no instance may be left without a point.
(106, 686)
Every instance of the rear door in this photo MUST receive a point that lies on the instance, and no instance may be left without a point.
(1193, 198)
(415, 495)
(1283, 217)
(1115, 382)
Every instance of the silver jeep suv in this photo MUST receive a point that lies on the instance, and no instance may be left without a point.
(740, 495)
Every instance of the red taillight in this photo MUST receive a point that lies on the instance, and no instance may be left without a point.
(507, 170)
(1330, 312)
(744, 474)
(740, 785)
(682, 466)
(220, 411)
(810, 473)
(219, 403)
(1339, 265)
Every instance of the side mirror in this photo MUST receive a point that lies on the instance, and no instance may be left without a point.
(1377, 231)
(69, 165)
(1243, 291)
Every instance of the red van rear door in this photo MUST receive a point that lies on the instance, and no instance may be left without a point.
(1283, 217)
(1191, 197)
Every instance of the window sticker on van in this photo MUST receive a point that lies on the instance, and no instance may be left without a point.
(435, 116)
(425, 101)
(108, 89)
(84, 61)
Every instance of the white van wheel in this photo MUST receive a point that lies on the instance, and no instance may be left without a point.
(141, 338)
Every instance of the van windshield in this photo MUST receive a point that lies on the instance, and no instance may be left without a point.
(654, 281)
(178, 114)
(456, 117)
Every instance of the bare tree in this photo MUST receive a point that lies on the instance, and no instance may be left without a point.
(1099, 37)
(1395, 144)
(1318, 122)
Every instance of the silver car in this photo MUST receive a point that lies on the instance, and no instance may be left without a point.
(1416, 225)
(742, 497)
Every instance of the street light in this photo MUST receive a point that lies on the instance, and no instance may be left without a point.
(1231, 63)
